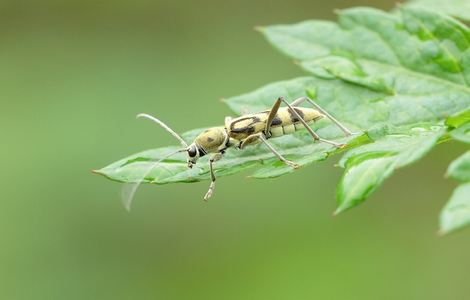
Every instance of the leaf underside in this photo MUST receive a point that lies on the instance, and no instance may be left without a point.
(397, 77)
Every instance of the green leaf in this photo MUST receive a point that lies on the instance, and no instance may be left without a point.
(456, 8)
(298, 147)
(397, 77)
(174, 169)
(368, 166)
(364, 174)
(460, 168)
(462, 133)
(456, 213)
(405, 53)
(458, 119)
(414, 71)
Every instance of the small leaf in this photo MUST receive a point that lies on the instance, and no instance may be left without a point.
(462, 133)
(456, 212)
(361, 178)
(459, 119)
(460, 168)
(368, 166)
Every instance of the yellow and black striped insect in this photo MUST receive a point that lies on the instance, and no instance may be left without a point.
(248, 130)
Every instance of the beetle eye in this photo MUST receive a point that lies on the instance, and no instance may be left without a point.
(192, 151)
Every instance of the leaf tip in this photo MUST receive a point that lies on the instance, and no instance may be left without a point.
(259, 28)
(127, 206)
(338, 11)
(342, 207)
(441, 232)
(311, 92)
(337, 212)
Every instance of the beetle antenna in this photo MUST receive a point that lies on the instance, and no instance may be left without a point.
(166, 127)
(128, 190)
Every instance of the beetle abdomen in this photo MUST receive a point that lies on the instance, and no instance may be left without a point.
(285, 122)
(288, 129)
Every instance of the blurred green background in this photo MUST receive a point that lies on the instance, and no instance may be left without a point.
(73, 76)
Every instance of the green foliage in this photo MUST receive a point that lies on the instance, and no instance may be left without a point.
(369, 165)
(460, 168)
(297, 147)
(396, 77)
(459, 119)
(462, 133)
(456, 213)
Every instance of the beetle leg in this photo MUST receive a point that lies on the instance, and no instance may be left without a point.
(314, 135)
(298, 101)
(251, 139)
(278, 155)
(272, 114)
(343, 128)
(261, 137)
(213, 159)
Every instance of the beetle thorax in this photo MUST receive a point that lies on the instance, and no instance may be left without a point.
(212, 139)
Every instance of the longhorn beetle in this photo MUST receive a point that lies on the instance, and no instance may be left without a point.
(247, 130)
